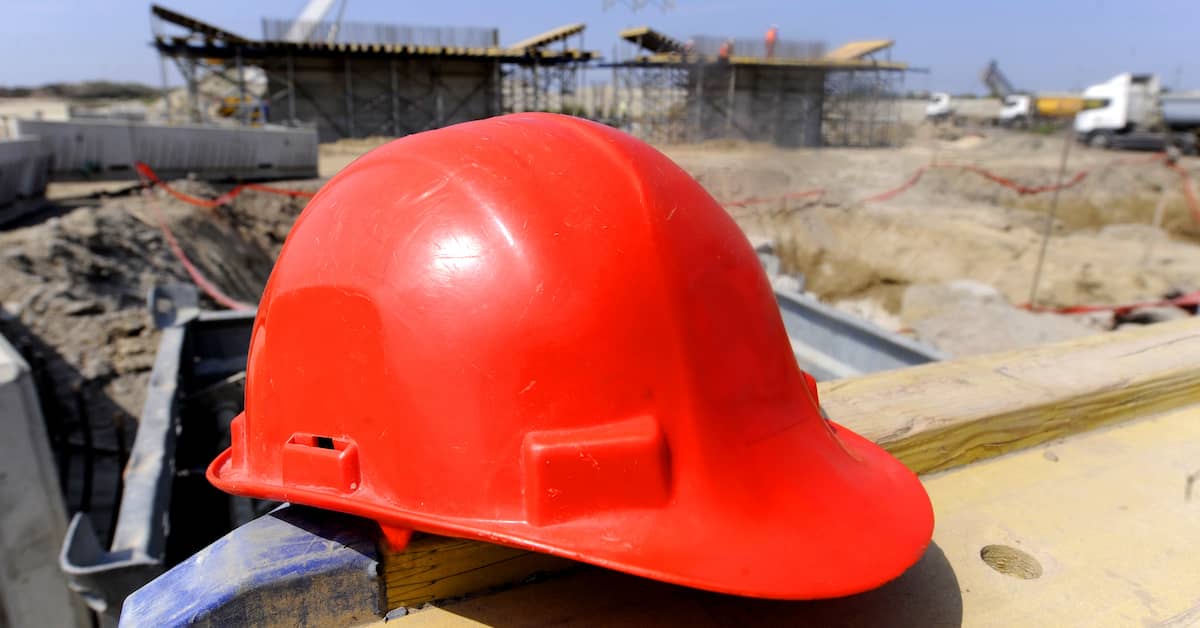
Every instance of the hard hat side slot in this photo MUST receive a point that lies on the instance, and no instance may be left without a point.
(321, 461)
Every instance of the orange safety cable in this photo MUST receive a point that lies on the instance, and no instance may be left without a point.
(1189, 300)
(756, 200)
(1019, 188)
(194, 273)
(1189, 194)
(147, 173)
(270, 189)
(896, 191)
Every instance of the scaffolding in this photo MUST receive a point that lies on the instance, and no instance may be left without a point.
(669, 91)
(539, 86)
(412, 79)
(862, 108)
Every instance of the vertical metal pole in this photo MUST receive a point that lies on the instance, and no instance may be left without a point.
(564, 71)
(166, 93)
(1159, 209)
(395, 85)
(439, 104)
(193, 90)
(730, 99)
(497, 93)
(241, 79)
(349, 97)
(876, 94)
(698, 130)
(537, 88)
(291, 90)
(581, 79)
(1069, 138)
(846, 111)
(612, 100)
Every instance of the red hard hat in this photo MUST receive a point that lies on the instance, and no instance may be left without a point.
(538, 331)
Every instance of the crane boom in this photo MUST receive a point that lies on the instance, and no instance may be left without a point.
(312, 14)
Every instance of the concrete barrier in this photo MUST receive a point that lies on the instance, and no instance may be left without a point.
(95, 150)
(32, 518)
(24, 171)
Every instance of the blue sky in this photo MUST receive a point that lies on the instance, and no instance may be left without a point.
(1041, 45)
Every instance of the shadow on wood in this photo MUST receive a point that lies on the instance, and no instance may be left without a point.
(926, 595)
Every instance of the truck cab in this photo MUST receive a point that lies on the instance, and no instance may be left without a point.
(1016, 110)
(1131, 106)
(939, 107)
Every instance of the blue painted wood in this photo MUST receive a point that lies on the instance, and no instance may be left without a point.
(294, 566)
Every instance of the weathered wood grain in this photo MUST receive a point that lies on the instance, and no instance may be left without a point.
(1103, 519)
(933, 417)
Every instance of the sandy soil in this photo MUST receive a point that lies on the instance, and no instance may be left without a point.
(956, 225)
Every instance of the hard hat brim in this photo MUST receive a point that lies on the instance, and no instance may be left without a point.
(865, 522)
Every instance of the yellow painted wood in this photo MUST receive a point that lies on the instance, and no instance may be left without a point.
(549, 37)
(859, 49)
(437, 568)
(933, 417)
(675, 58)
(947, 414)
(1104, 516)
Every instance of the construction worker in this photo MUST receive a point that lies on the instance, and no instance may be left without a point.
(772, 37)
(726, 49)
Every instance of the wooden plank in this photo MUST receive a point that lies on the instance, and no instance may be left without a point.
(947, 414)
(651, 40)
(1105, 518)
(932, 417)
(859, 49)
(437, 568)
(549, 37)
(675, 58)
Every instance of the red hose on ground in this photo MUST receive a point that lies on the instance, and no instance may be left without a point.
(1189, 194)
(149, 175)
(1019, 188)
(756, 200)
(1189, 300)
(194, 273)
(896, 191)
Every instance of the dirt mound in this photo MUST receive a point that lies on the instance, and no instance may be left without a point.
(873, 251)
(965, 317)
(73, 289)
(955, 224)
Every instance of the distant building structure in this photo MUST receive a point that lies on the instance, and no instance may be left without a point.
(359, 80)
(788, 93)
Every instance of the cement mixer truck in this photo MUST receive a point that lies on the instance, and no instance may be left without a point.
(1139, 114)
(1021, 109)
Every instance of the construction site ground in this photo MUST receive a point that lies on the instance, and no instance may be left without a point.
(947, 261)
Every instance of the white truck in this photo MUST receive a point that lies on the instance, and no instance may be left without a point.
(1138, 114)
(1016, 110)
(939, 108)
